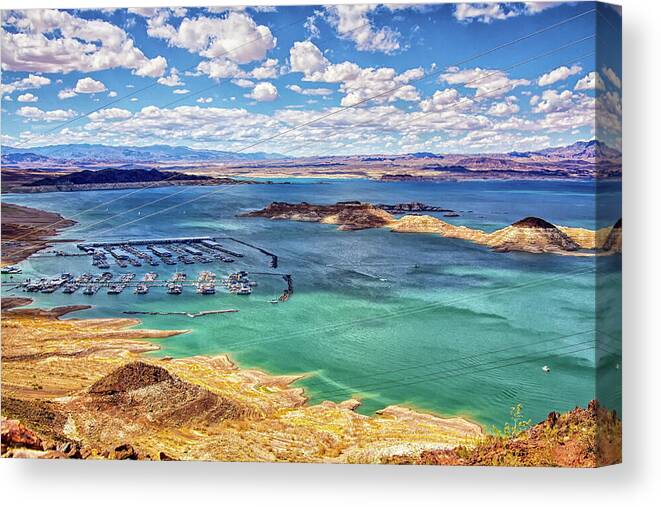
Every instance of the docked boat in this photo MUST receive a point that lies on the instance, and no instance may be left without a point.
(11, 270)
(90, 290)
(150, 277)
(206, 289)
(115, 289)
(70, 288)
(141, 288)
(174, 288)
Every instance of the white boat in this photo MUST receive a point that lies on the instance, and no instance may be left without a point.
(546, 369)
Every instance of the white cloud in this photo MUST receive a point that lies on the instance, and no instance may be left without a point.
(496, 11)
(27, 83)
(559, 74)
(507, 107)
(204, 100)
(612, 77)
(357, 83)
(172, 79)
(484, 12)
(89, 85)
(591, 81)
(263, 92)
(219, 68)
(535, 7)
(443, 99)
(112, 113)
(310, 91)
(244, 83)
(27, 97)
(180, 91)
(67, 93)
(112, 94)
(46, 40)
(268, 70)
(235, 37)
(35, 114)
(490, 83)
(352, 22)
(305, 57)
(552, 101)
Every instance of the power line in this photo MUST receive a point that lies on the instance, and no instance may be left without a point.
(477, 96)
(395, 88)
(155, 83)
(452, 360)
(405, 312)
(381, 94)
(465, 370)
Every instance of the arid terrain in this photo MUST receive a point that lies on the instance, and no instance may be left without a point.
(27, 230)
(583, 160)
(530, 234)
(84, 388)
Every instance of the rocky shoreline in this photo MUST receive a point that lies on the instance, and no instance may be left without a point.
(28, 230)
(83, 388)
(531, 234)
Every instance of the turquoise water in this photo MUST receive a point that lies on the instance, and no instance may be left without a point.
(439, 324)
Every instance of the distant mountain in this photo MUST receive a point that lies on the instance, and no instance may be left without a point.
(424, 154)
(583, 150)
(125, 154)
(17, 158)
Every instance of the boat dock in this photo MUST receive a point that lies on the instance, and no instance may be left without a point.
(274, 258)
(169, 251)
(205, 283)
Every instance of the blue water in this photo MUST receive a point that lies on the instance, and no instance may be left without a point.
(439, 324)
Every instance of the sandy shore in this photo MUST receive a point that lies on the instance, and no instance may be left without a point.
(28, 230)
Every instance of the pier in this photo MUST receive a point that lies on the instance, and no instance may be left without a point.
(192, 315)
(274, 258)
(169, 251)
(237, 283)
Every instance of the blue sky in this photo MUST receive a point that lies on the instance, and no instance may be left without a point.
(228, 79)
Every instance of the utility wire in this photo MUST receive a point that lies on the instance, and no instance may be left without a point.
(381, 94)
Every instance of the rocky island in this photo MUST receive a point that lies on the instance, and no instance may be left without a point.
(530, 234)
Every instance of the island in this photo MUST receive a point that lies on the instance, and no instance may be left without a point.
(531, 234)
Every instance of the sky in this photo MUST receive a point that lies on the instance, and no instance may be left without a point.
(316, 80)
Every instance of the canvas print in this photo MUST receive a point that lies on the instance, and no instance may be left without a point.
(376, 234)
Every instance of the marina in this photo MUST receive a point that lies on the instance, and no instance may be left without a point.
(205, 283)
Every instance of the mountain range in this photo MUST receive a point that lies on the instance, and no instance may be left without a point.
(100, 153)
(123, 154)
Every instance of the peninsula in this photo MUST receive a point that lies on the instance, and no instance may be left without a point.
(28, 230)
(530, 234)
